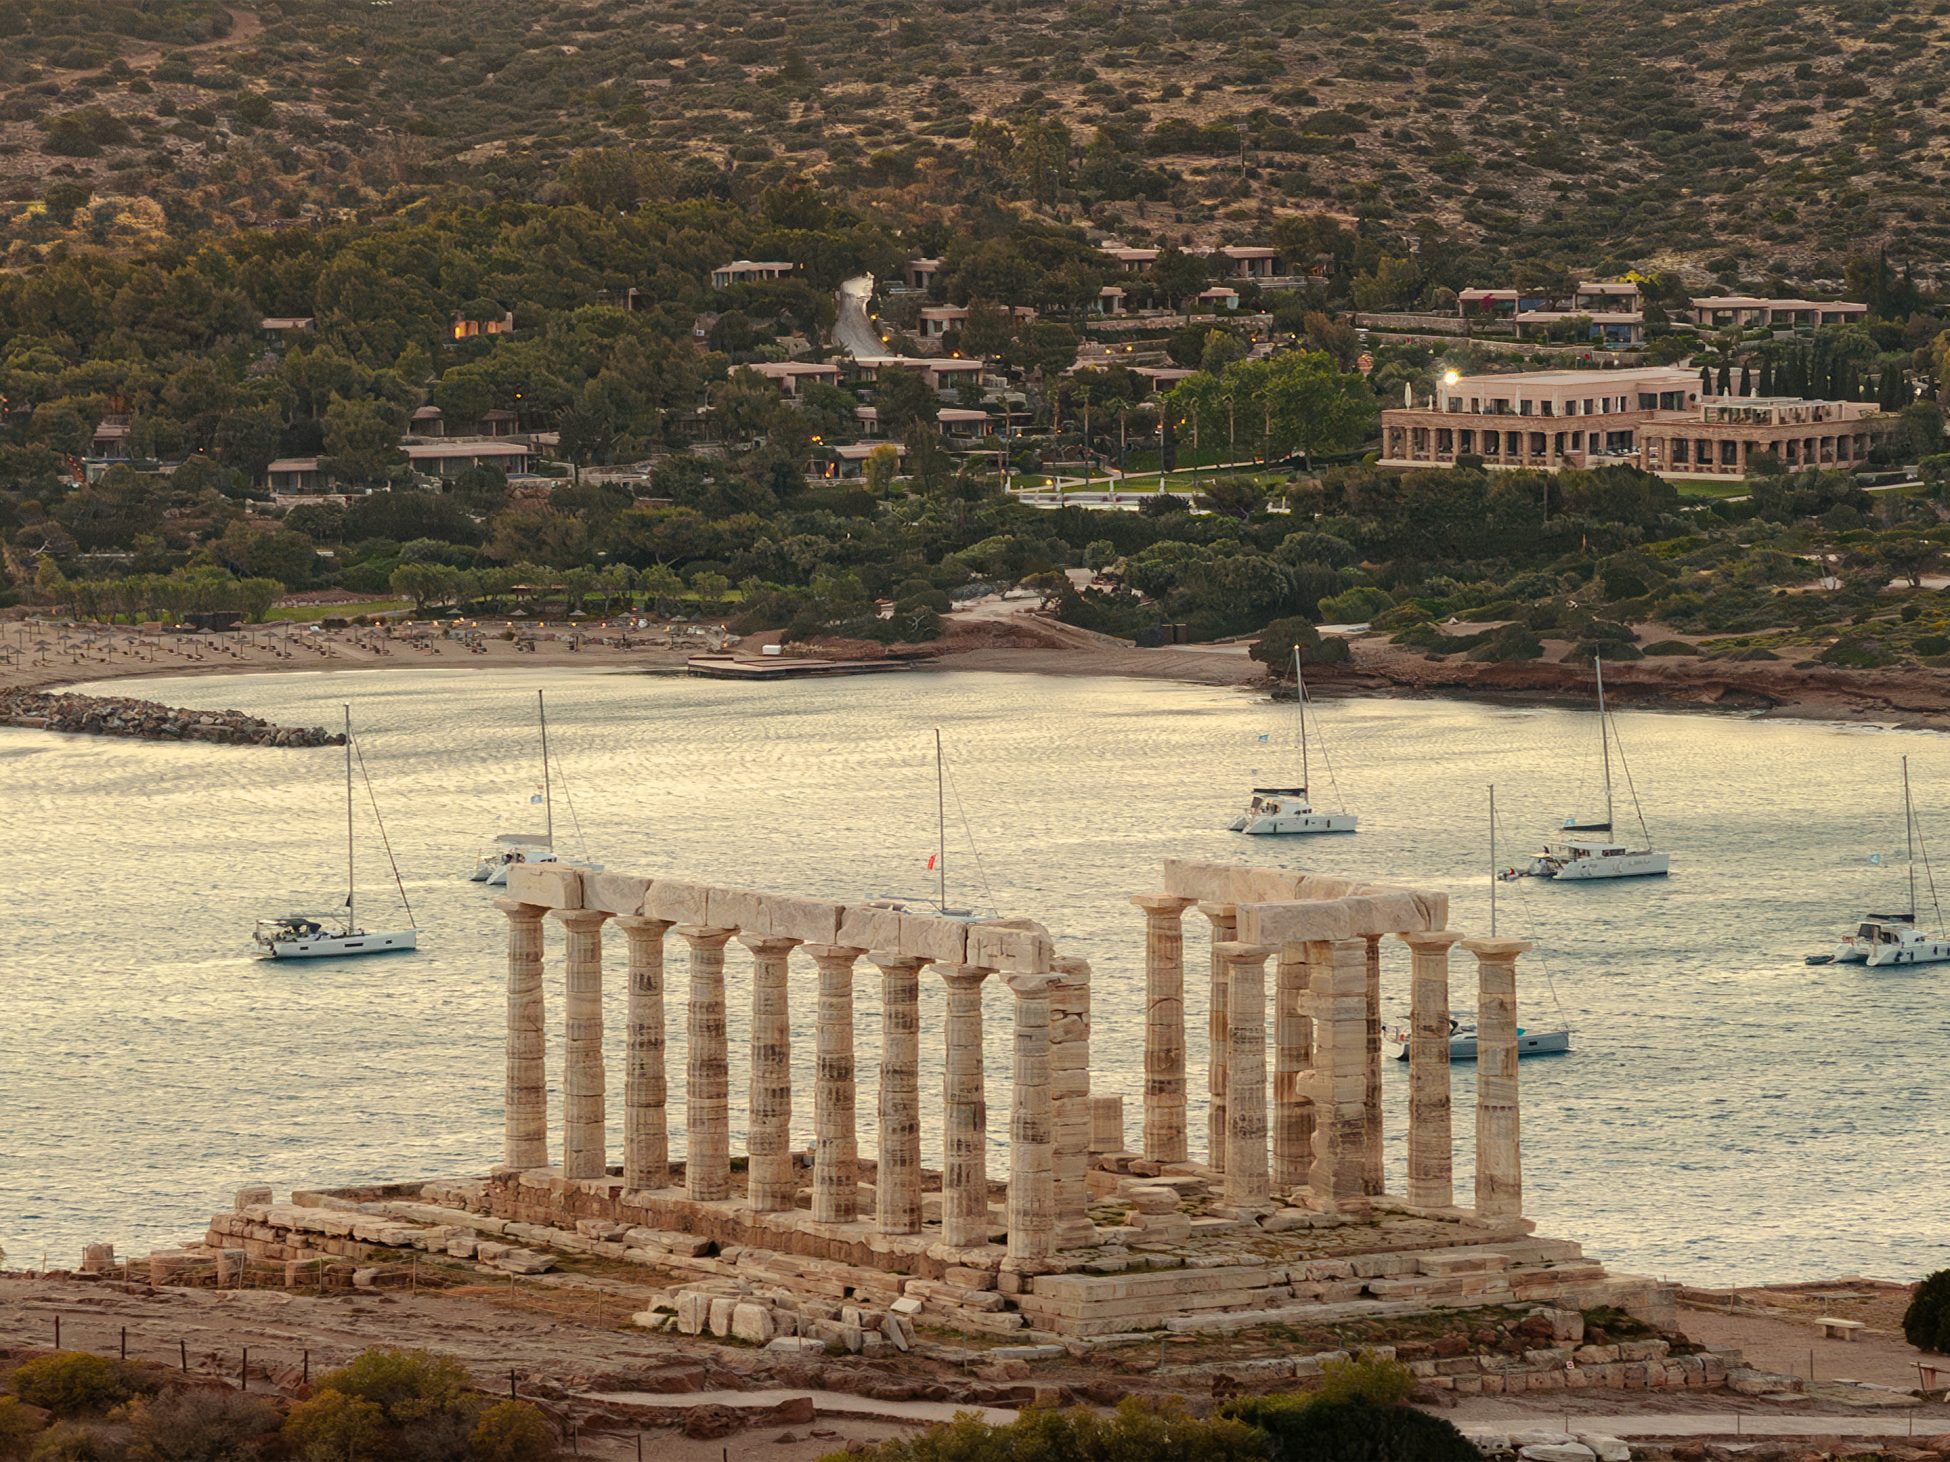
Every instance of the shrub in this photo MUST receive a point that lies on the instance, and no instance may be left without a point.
(18, 1425)
(75, 1441)
(1156, 1432)
(1511, 642)
(1856, 654)
(200, 1426)
(406, 1385)
(1931, 644)
(1275, 645)
(1302, 1429)
(1355, 606)
(1382, 1382)
(1926, 1323)
(1671, 647)
(334, 1425)
(69, 1382)
(511, 1431)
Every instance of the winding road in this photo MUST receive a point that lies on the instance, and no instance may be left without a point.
(855, 328)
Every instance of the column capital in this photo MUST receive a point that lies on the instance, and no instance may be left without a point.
(1431, 940)
(516, 909)
(769, 943)
(1031, 987)
(964, 977)
(1162, 905)
(1497, 951)
(1218, 912)
(643, 924)
(579, 919)
(834, 956)
(703, 936)
(891, 963)
(1233, 951)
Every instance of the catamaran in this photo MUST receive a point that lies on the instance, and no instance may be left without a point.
(1893, 939)
(1593, 856)
(1274, 810)
(328, 936)
(512, 848)
(1554, 1041)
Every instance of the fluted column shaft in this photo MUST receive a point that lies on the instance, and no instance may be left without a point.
(1164, 1026)
(1246, 1172)
(897, 1176)
(525, 1099)
(1372, 1135)
(1499, 1163)
(965, 1116)
(1032, 1172)
(583, 1113)
(771, 1184)
(1293, 1059)
(1069, 1089)
(836, 1144)
(646, 1089)
(707, 1157)
(1431, 1146)
(1225, 924)
(1336, 983)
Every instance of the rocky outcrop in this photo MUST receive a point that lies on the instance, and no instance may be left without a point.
(93, 715)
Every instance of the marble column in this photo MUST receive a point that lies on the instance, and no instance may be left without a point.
(583, 1114)
(1293, 1059)
(1069, 1087)
(836, 1144)
(524, 1142)
(1225, 924)
(1337, 985)
(897, 1177)
(646, 1090)
(1164, 1026)
(1245, 1173)
(707, 1156)
(1032, 1173)
(1431, 1153)
(1371, 1141)
(772, 1182)
(1499, 1165)
(965, 1117)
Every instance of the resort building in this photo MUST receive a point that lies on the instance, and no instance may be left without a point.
(1615, 310)
(788, 374)
(466, 327)
(450, 459)
(746, 271)
(1719, 311)
(937, 320)
(921, 273)
(1653, 417)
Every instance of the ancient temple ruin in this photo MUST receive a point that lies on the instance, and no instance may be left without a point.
(1282, 1215)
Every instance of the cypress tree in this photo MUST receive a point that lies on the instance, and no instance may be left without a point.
(1706, 380)
(1893, 390)
(1767, 375)
(1746, 378)
(1726, 379)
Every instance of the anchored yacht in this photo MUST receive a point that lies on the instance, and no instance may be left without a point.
(1881, 940)
(1281, 810)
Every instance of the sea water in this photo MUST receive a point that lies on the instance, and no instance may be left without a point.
(1729, 1114)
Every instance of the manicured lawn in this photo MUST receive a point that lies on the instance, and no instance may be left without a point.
(1714, 490)
(312, 613)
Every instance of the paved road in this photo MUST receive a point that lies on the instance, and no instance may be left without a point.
(853, 328)
(1929, 1421)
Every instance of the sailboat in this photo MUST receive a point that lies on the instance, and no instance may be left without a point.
(1462, 1035)
(1580, 858)
(512, 848)
(328, 936)
(1287, 809)
(1894, 939)
(938, 905)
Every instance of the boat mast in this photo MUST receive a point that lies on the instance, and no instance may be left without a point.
(940, 827)
(351, 884)
(1492, 860)
(1604, 736)
(1909, 841)
(548, 790)
(1300, 691)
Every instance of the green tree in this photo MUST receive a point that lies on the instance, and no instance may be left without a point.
(362, 442)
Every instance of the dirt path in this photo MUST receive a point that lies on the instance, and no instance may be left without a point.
(245, 27)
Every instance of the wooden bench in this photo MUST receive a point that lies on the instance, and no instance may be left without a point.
(1834, 1329)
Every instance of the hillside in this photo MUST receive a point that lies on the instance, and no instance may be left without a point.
(1761, 136)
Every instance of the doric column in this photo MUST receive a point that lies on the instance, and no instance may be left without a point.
(771, 1184)
(1293, 1059)
(646, 1090)
(1430, 1145)
(1032, 1174)
(836, 1147)
(1069, 1088)
(524, 1142)
(1337, 985)
(1499, 1164)
(1371, 1073)
(1246, 1176)
(965, 1116)
(582, 1068)
(897, 1176)
(1225, 923)
(1164, 1026)
(707, 1156)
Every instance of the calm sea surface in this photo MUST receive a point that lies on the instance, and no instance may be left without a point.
(1730, 1114)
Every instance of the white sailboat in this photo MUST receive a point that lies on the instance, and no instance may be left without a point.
(329, 936)
(512, 848)
(1579, 858)
(1550, 1041)
(938, 905)
(1282, 810)
(1882, 940)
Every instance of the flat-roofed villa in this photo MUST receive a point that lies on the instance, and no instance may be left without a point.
(748, 271)
(1718, 311)
(959, 423)
(451, 458)
(1615, 309)
(1247, 261)
(787, 375)
(937, 320)
(920, 273)
(1652, 417)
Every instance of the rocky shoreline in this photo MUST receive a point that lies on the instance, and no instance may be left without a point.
(94, 715)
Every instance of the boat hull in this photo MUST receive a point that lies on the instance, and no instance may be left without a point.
(1923, 952)
(337, 946)
(1529, 1043)
(1624, 865)
(1290, 824)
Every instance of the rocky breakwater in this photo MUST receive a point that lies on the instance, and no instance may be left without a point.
(94, 715)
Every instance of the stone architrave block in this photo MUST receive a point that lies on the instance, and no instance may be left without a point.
(1295, 923)
(944, 941)
(1269, 886)
(1387, 911)
(548, 884)
(1013, 951)
(614, 893)
(878, 930)
(254, 1195)
(811, 921)
(1188, 878)
(735, 908)
(680, 903)
(1323, 886)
